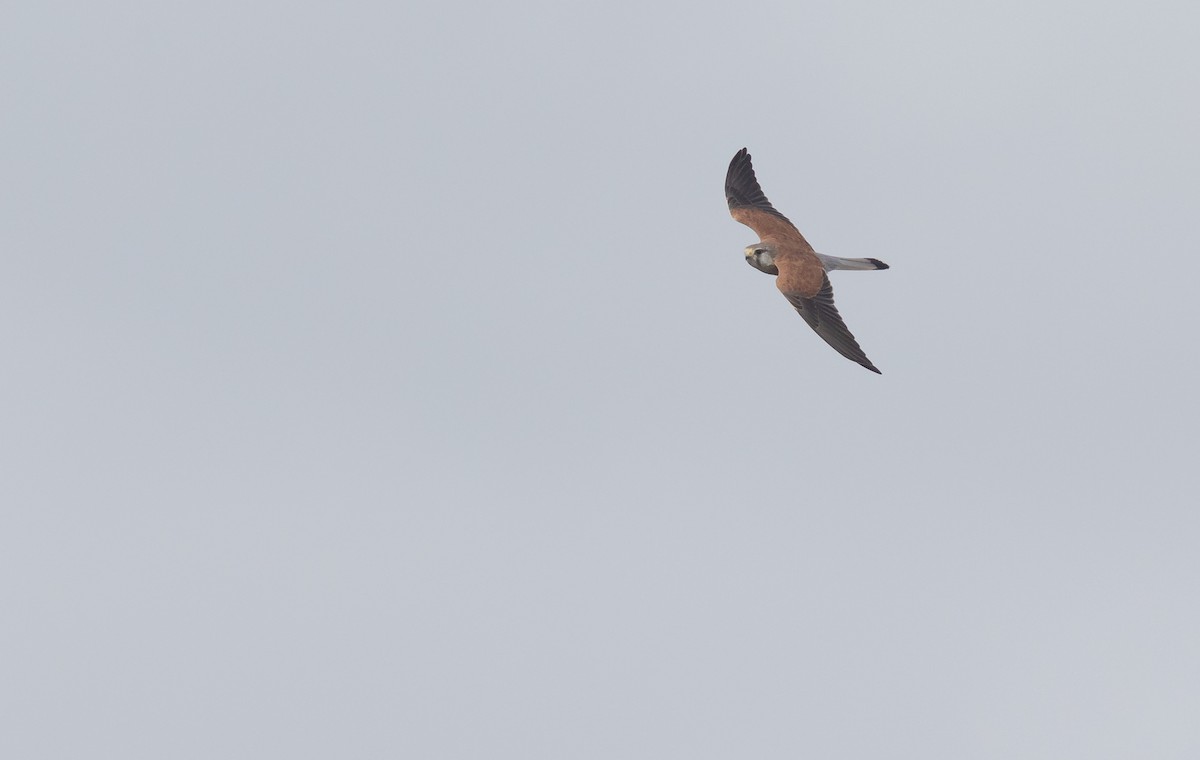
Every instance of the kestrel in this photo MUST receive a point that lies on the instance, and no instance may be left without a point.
(783, 251)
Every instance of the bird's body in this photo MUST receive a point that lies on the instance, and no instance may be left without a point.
(782, 251)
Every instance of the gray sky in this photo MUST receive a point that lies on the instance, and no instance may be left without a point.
(385, 380)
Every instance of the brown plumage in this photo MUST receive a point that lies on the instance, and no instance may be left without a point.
(783, 251)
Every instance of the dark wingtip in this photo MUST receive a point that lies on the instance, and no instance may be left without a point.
(739, 158)
(879, 264)
(865, 362)
(741, 186)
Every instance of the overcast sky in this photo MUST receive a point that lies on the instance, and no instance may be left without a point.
(385, 380)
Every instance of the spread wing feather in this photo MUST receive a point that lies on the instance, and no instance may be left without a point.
(822, 316)
(742, 189)
(749, 205)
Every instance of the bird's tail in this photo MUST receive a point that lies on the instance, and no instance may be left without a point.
(836, 262)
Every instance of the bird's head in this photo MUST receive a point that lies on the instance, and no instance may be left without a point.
(761, 256)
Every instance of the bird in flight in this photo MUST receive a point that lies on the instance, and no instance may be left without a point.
(783, 251)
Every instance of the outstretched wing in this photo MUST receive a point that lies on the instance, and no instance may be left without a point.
(821, 315)
(749, 205)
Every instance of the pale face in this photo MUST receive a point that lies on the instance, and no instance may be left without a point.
(761, 255)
